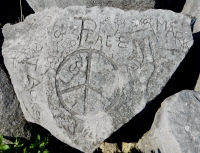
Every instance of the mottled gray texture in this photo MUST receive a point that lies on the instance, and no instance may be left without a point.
(82, 73)
(140, 5)
(192, 7)
(176, 126)
(12, 121)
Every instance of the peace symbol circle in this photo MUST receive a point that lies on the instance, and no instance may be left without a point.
(87, 82)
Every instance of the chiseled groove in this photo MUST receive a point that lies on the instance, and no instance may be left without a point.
(72, 89)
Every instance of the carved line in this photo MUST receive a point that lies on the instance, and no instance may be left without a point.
(86, 51)
(115, 67)
(89, 60)
(72, 89)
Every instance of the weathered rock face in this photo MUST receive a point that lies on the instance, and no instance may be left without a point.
(82, 73)
(140, 5)
(192, 7)
(12, 122)
(176, 125)
(109, 148)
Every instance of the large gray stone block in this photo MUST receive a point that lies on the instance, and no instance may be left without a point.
(12, 121)
(140, 5)
(176, 126)
(82, 73)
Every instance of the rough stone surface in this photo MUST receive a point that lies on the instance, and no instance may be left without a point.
(140, 5)
(82, 73)
(192, 7)
(128, 147)
(12, 122)
(109, 148)
(176, 126)
(197, 87)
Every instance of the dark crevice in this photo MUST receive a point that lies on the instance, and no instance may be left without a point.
(173, 5)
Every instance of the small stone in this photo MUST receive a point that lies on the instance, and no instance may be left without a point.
(180, 126)
(109, 148)
(187, 128)
(12, 122)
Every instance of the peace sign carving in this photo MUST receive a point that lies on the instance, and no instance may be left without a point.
(87, 82)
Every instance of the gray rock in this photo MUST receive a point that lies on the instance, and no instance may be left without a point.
(176, 126)
(192, 7)
(140, 5)
(12, 121)
(82, 73)
(197, 86)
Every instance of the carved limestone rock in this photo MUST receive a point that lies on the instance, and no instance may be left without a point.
(82, 73)
(176, 126)
(12, 121)
(140, 5)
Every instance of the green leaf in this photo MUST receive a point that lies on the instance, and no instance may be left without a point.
(16, 141)
(4, 147)
(42, 145)
(45, 151)
(20, 145)
(33, 146)
(1, 139)
(24, 150)
(46, 139)
(37, 138)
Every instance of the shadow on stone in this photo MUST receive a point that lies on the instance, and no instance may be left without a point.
(13, 139)
(174, 5)
(155, 152)
(135, 151)
(185, 77)
(54, 145)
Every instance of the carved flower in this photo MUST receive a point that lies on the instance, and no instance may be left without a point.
(120, 23)
(105, 21)
(57, 33)
(53, 61)
(135, 22)
(69, 44)
(145, 22)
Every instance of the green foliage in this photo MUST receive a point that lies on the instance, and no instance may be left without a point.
(38, 146)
